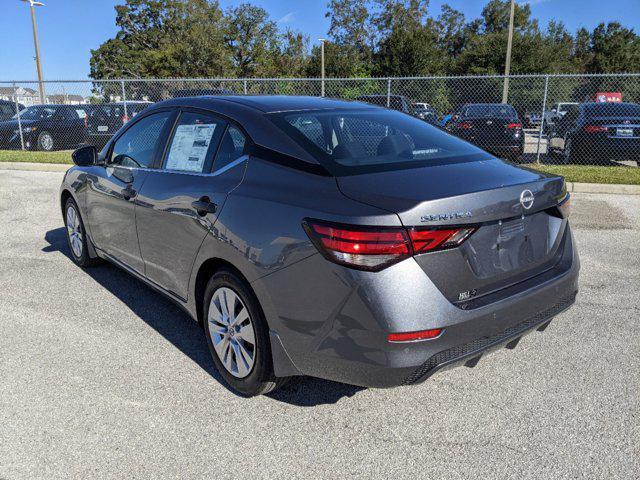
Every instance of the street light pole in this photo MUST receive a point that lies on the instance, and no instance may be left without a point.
(507, 63)
(33, 4)
(322, 40)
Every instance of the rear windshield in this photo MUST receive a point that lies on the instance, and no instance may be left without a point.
(482, 111)
(349, 142)
(612, 110)
(37, 113)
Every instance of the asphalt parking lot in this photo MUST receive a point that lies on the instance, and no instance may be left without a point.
(102, 378)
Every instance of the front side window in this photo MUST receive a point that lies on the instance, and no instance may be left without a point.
(349, 142)
(136, 147)
(194, 140)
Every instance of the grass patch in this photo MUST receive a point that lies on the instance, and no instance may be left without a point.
(63, 156)
(593, 174)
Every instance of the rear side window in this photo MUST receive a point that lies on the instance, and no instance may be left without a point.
(481, 111)
(193, 143)
(349, 142)
(232, 147)
(136, 147)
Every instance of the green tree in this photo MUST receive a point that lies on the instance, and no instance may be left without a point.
(614, 49)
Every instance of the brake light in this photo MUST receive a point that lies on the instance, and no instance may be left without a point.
(413, 336)
(465, 125)
(512, 126)
(374, 248)
(429, 240)
(595, 128)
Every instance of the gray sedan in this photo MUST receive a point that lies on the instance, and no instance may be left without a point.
(327, 238)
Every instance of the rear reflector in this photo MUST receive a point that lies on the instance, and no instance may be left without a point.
(374, 248)
(511, 126)
(413, 336)
(595, 129)
(565, 208)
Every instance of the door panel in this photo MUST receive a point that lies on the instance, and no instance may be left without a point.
(113, 189)
(170, 227)
(110, 212)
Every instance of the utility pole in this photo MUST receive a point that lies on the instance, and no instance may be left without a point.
(322, 40)
(507, 63)
(33, 4)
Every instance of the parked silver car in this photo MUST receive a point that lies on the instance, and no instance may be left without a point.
(327, 238)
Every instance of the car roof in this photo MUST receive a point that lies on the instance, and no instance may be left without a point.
(285, 103)
(251, 113)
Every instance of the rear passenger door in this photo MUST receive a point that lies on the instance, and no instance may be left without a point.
(180, 201)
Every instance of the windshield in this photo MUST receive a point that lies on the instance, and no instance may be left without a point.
(482, 111)
(348, 142)
(36, 113)
(613, 110)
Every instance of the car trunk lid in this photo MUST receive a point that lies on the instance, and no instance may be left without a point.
(517, 235)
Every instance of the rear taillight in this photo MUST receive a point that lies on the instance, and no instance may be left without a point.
(86, 122)
(512, 126)
(465, 125)
(374, 248)
(595, 129)
(428, 240)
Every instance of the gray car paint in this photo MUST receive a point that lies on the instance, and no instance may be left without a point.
(325, 319)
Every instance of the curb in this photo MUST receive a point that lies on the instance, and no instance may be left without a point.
(35, 167)
(603, 188)
(571, 186)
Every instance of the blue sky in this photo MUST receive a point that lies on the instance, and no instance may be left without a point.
(69, 29)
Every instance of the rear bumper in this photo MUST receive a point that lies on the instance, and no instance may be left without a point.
(610, 148)
(333, 322)
(470, 353)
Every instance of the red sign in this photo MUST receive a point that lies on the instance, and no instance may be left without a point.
(608, 97)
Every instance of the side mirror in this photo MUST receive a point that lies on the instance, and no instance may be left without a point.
(85, 156)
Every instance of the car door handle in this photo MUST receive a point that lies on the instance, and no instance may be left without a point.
(203, 206)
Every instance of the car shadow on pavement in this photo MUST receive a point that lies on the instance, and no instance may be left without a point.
(177, 327)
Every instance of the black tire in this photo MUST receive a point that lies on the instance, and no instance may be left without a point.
(261, 378)
(84, 259)
(45, 142)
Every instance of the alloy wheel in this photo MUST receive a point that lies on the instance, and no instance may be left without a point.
(232, 332)
(46, 141)
(74, 230)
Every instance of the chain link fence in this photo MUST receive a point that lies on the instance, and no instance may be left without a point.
(552, 119)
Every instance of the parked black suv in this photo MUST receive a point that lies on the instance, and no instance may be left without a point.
(8, 109)
(46, 127)
(105, 120)
(494, 127)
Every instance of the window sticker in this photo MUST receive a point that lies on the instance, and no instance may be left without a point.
(189, 147)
